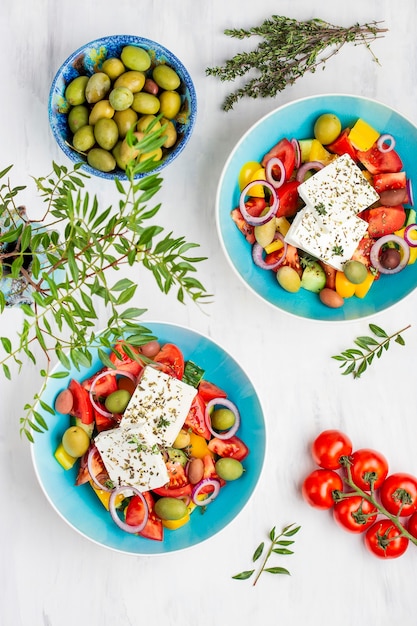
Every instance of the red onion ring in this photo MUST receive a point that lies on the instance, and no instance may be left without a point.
(102, 375)
(113, 512)
(224, 402)
(376, 249)
(381, 141)
(410, 192)
(262, 219)
(296, 145)
(306, 167)
(212, 482)
(409, 229)
(97, 483)
(271, 163)
(257, 254)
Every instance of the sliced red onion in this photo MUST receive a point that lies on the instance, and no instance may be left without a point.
(92, 451)
(410, 192)
(97, 407)
(212, 482)
(257, 254)
(262, 219)
(410, 229)
(271, 163)
(224, 402)
(376, 249)
(306, 167)
(296, 145)
(382, 144)
(113, 512)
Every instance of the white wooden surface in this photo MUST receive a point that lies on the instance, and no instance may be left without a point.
(51, 576)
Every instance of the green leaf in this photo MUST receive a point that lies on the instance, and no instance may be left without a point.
(46, 407)
(277, 570)
(123, 284)
(6, 371)
(127, 295)
(379, 332)
(244, 575)
(60, 374)
(258, 551)
(400, 340)
(7, 344)
(132, 313)
(282, 551)
(290, 532)
(272, 534)
(362, 367)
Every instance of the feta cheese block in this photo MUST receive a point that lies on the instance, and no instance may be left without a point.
(334, 246)
(339, 189)
(132, 458)
(159, 405)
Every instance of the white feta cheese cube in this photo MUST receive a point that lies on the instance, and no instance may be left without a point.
(159, 405)
(132, 458)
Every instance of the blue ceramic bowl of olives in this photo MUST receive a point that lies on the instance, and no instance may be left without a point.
(177, 110)
(80, 508)
(296, 120)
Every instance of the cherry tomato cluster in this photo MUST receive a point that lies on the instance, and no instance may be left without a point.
(362, 495)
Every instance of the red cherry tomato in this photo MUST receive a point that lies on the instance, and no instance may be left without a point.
(354, 514)
(317, 488)
(329, 446)
(368, 467)
(412, 525)
(398, 494)
(384, 540)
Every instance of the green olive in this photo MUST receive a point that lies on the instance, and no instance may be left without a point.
(77, 117)
(102, 108)
(106, 133)
(132, 80)
(97, 87)
(166, 77)
(289, 279)
(75, 441)
(145, 103)
(135, 58)
(84, 138)
(145, 121)
(117, 401)
(222, 419)
(116, 154)
(355, 272)
(121, 98)
(327, 127)
(229, 469)
(170, 104)
(170, 508)
(125, 120)
(113, 67)
(170, 132)
(75, 90)
(101, 160)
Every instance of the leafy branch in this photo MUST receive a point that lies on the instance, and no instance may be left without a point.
(278, 545)
(288, 50)
(69, 275)
(356, 360)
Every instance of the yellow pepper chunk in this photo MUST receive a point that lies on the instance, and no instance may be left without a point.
(173, 524)
(343, 286)
(198, 446)
(246, 173)
(272, 247)
(362, 135)
(362, 289)
(413, 251)
(283, 225)
(64, 459)
(319, 153)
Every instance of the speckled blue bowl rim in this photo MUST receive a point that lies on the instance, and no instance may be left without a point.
(120, 41)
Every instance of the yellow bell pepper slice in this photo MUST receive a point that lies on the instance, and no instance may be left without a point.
(104, 496)
(198, 446)
(319, 153)
(362, 135)
(343, 286)
(413, 251)
(283, 225)
(64, 459)
(173, 524)
(362, 289)
(246, 173)
(272, 247)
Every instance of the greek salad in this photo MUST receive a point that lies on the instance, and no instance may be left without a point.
(151, 436)
(329, 213)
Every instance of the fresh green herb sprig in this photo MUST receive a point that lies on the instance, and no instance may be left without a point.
(356, 360)
(279, 544)
(73, 271)
(287, 51)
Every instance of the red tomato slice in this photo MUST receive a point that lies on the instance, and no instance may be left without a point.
(285, 151)
(389, 180)
(245, 228)
(104, 386)
(81, 407)
(124, 362)
(208, 391)
(178, 484)
(97, 467)
(195, 418)
(330, 275)
(363, 251)
(377, 162)
(384, 220)
(171, 360)
(342, 145)
(102, 422)
(232, 447)
(289, 200)
(292, 258)
(255, 206)
(134, 515)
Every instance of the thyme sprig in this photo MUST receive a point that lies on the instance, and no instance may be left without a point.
(288, 49)
(73, 273)
(278, 545)
(356, 360)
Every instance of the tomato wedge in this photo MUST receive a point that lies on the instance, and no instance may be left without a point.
(123, 361)
(377, 162)
(195, 418)
(342, 145)
(104, 386)
(171, 360)
(135, 512)
(178, 485)
(384, 220)
(232, 447)
(81, 407)
(289, 200)
(208, 391)
(285, 151)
